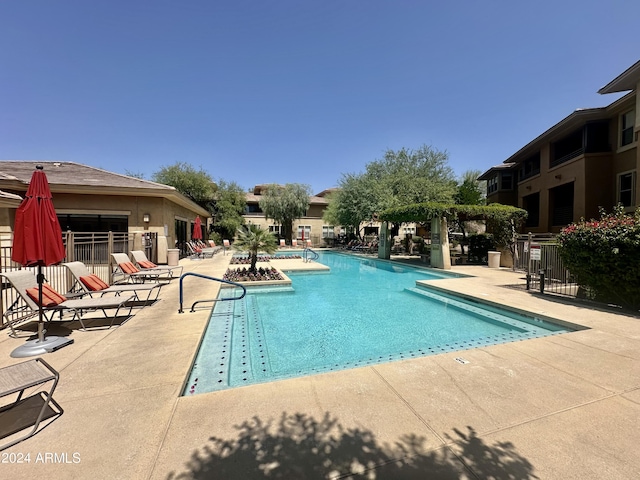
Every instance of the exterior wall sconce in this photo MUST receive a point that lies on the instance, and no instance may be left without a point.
(146, 217)
(558, 177)
(528, 187)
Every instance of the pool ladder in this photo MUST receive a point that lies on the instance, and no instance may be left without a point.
(191, 274)
(308, 255)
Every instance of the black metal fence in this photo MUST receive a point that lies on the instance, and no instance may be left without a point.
(539, 258)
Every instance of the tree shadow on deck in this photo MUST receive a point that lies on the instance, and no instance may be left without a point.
(298, 446)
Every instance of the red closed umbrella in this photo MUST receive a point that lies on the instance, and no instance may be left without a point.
(37, 241)
(197, 230)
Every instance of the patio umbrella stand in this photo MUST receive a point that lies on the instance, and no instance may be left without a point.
(38, 242)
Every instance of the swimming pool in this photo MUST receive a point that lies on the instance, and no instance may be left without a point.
(363, 312)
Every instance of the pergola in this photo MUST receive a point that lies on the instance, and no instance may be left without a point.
(438, 214)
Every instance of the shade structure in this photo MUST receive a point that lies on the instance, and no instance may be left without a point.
(37, 241)
(197, 230)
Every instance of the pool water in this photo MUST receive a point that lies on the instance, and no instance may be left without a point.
(363, 312)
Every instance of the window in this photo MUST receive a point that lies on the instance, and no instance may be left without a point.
(530, 167)
(409, 230)
(627, 121)
(507, 183)
(328, 231)
(492, 185)
(626, 188)
(275, 229)
(531, 203)
(304, 231)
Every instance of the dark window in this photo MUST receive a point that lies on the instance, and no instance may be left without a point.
(627, 123)
(569, 147)
(492, 185)
(93, 223)
(561, 203)
(626, 189)
(597, 137)
(531, 203)
(507, 181)
(252, 208)
(530, 167)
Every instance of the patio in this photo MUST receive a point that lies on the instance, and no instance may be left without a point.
(563, 406)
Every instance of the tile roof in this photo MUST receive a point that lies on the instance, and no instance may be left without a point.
(71, 173)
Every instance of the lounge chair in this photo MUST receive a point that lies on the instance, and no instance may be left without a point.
(294, 243)
(89, 284)
(143, 263)
(282, 243)
(197, 251)
(226, 245)
(32, 410)
(26, 284)
(125, 270)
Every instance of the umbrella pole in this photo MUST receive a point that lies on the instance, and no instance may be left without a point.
(40, 313)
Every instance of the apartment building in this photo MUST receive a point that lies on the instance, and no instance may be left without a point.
(587, 160)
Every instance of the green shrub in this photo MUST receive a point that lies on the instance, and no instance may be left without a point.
(479, 246)
(604, 256)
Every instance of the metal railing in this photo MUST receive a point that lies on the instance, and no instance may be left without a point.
(309, 255)
(224, 299)
(538, 256)
(94, 249)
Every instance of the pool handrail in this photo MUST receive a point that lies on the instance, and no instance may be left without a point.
(306, 252)
(192, 274)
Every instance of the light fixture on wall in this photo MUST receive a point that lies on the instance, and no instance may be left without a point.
(528, 187)
(558, 177)
(146, 217)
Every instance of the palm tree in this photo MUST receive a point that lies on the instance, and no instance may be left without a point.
(253, 239)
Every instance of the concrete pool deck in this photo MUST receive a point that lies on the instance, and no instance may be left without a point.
(559, 407)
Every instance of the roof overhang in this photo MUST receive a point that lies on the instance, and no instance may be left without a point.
(627, 80)
(9, 200)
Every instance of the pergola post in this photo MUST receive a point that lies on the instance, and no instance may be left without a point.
(440, 254)
(384, 242)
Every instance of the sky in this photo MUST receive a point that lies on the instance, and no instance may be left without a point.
(298, 91)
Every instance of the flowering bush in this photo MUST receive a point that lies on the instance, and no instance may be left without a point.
(604, 256)
(245, 275)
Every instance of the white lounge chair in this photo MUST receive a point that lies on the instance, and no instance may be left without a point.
(125, 270)
(143, 263)
(90, 284)
(26, 284)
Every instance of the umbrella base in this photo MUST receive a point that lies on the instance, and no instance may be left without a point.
(36, 347)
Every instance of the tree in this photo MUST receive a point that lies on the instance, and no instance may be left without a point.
(471, 191)
(401, 178)
(284, 204)
(196, 185)
(352, 204)
(227, 208)
(253, 239)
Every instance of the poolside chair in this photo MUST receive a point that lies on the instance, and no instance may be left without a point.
(143, 263)
(29, 411)
(126, 271)
(226, 245)
(26, 284)
(89, 284)
(198, 252)
(294, 243)
(282, 243)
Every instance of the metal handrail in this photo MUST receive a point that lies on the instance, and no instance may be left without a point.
(306, 252)
(244, 290)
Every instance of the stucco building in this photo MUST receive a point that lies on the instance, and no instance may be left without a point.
(587, 160)
(89, 199)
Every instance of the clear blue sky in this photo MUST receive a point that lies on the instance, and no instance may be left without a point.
(298, 91)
